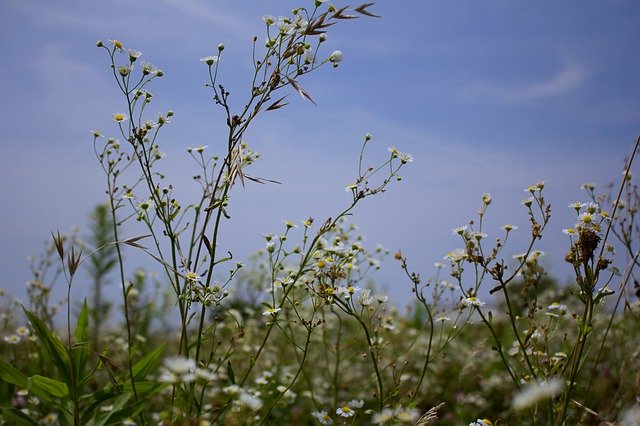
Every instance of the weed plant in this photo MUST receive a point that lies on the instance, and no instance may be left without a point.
(300, 335)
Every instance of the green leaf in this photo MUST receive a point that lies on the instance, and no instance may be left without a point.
(144, 388)
(44, 385)
(126, 413)
(57, 351)
(117, 404)
(17, 417)
(10, 374)
(232, 376)
(143, 367)
(80, 350)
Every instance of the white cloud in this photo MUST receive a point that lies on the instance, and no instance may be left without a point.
(566, 80)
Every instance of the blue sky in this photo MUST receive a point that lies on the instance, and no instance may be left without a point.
(487, 97)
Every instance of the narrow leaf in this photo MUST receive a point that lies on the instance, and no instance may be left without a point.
(146, 364)
(56, 350)
(10, 374)
(277, 104)
(17, 417)
(40, 384)
(232, 376)
(300, 90)
(80, 350)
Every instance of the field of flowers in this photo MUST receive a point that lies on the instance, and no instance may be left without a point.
(300, 334)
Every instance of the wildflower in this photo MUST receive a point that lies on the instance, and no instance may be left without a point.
(527, 202)
(356, 403)
(486, 198)
(96, 134)
(220, 47)
(365, 298)
(508, 227)
(586, 219)
(50, 419)
(178, 370)
(481, 422)
(588, 186)
(592, 208)
(406, 158)
(381, 298)
(479, 235)
(209, 60)
(345, 411)
(406, 414)
(289, 224)
(555, 306)
(459, 230)
(368, 137)
(269, 20)
(569, 231)
(323, 417)
(22, 331)
(443, 318)
(231, 389)
(193, 276)
(577, 206)
(117, 44)
(456, 255)
(148, 68)
(199, 149)
(335, 57)
(271, 312)
(535, 393)
(13, 339)
(134, 55)
(383, 417)
(472, 301)
(125, 70)
(119, 117)
(250, 401)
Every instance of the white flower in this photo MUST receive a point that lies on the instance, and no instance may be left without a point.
(13, 339)
(323, 417)
(345, 411)
(381, 298)
(209, 60)
(335, 57)
(383, 417)
(481, 422)
(356, 403)
(193, 276)
(577, 206)
(406, 414)
(178, 370)
(271, 312)
(269, 20)
(406, 158)
(456, 255)
(486, 198)
(365, 298)
(250, 401)
(472, 301)
(119, 117)
(536, 392)
(459, 230)
(557, 306)
(508, 227)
